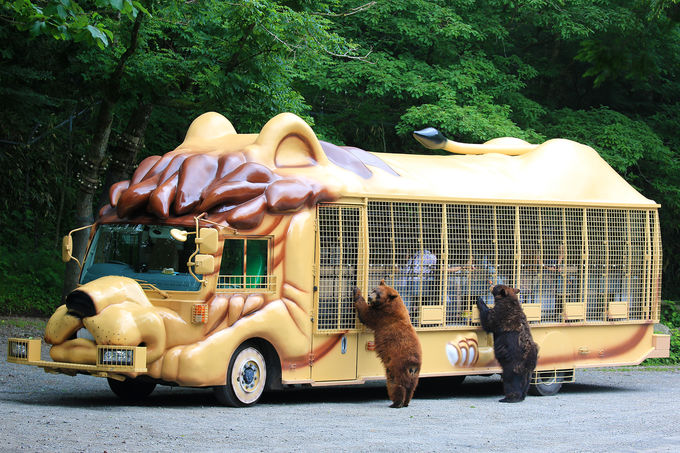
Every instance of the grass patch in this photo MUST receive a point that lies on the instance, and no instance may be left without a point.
(641, 367)
(24, 323)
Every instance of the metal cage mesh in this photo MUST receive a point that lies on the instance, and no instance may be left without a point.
(445, 256)
(341, 252)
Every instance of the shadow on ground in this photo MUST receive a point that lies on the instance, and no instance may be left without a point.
(428, 389)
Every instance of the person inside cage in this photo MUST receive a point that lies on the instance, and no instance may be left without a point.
(458, 279)
(466, 282)
(419, 278)
(530, 283)
(561, 279)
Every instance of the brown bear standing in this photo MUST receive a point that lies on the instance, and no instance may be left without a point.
(513, 344)
(396, 341)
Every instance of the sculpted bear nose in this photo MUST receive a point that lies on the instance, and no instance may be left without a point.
(80, 305)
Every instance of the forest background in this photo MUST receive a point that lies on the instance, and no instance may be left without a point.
(90, 88)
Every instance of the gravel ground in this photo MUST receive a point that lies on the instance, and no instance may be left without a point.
(623, 410)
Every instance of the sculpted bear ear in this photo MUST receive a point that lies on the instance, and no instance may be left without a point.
(288, 141)
(208, 126)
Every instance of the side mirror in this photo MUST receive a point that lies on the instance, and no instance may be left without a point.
(207, 241)
(205, 264)
(67, 248)
(178, 235)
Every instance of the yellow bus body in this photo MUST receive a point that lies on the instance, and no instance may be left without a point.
(557, 222)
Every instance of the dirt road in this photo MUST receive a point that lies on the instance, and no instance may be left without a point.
(632, 410)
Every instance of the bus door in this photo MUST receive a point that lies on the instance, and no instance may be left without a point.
(340, 255)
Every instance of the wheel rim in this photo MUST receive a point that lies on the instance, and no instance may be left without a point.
(249, 375)
(547, 382)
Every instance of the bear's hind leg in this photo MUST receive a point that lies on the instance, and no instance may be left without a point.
(526, 380)
(396, 393)
(409, 391)
(512, 387)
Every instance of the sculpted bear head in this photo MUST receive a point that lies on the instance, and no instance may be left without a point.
(239, 178)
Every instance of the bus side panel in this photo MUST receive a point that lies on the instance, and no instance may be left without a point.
(458, 352)
(587, 346)
(297, 293)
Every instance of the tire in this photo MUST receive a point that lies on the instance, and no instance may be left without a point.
(456, 380)
(131, 390)
(547, 388)
(441, 384)
(246, 378)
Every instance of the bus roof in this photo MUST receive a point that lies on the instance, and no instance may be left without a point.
(557, 171)
(285, 168)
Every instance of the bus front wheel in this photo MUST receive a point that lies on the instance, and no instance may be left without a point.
(131, 390)
(246, 378)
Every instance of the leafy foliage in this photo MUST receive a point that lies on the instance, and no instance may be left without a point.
(67, 20)
(366, 73)
(32, 280)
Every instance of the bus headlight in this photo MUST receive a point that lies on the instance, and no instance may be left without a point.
(23, 350)
(122, 358)
(116, 357)
(18, 350)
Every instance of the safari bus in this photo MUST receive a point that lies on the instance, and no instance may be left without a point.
(229, 263)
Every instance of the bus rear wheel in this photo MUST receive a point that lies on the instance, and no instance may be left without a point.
(545, 387)
(246, 378)
(131, 390)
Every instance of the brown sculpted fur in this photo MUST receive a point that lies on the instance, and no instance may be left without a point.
(396, 341)
(513, 344)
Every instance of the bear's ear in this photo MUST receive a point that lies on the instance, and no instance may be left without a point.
(288, 141)
(208, 126)
(382, 282)
(502, 292)
(392, 296)
(516, 290)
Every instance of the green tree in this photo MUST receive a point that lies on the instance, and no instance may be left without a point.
(366, 72)
(66, 19)
(185, 58)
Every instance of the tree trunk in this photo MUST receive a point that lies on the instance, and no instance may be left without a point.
(89, 173)
(125, 149)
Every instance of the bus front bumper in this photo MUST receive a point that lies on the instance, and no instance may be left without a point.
(111, 360)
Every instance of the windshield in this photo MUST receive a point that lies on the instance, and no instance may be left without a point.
(145, 253)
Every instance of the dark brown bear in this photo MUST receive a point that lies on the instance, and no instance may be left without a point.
(513, 344)
(396, 341)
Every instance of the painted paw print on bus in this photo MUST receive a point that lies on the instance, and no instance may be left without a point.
(463, 352)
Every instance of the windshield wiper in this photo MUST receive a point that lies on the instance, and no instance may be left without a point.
(146, 285)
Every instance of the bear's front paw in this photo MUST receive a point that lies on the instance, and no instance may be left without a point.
(480, 302)
(357, 293)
